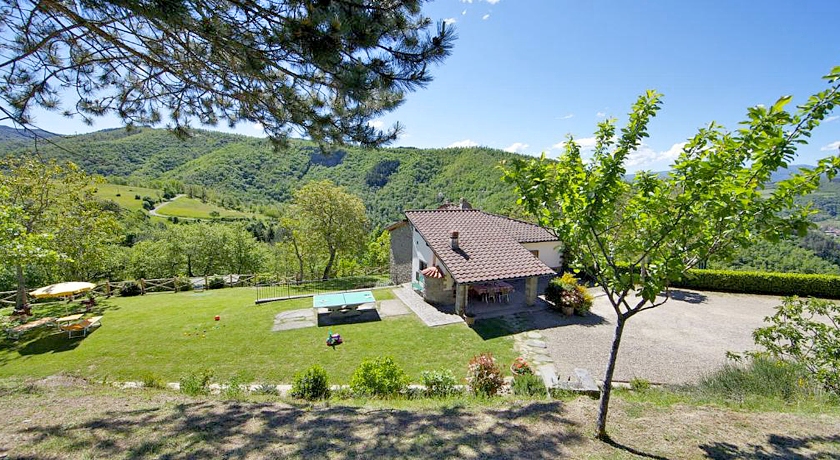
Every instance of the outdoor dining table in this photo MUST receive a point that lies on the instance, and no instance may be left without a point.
(70, 318)
(492, 289)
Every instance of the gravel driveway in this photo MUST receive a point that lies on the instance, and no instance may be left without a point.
(675, 343)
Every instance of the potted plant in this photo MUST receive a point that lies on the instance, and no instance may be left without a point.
(568, 295)
(520, 367)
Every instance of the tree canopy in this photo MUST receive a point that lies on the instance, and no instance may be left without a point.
(52, 218)
(636, 238)
(319, 68)
(330, 215)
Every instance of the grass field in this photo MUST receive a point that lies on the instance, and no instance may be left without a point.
(167, 335)
(126, 195)
(191, 207)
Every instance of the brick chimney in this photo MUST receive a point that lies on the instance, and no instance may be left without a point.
(453, 240)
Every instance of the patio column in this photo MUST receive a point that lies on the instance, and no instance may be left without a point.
(461, 291)
(531, 290)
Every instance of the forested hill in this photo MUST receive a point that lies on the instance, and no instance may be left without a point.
(388, 180)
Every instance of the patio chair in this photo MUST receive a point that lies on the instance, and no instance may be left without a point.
(81, 326)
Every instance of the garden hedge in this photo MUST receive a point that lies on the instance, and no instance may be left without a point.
(823, 286)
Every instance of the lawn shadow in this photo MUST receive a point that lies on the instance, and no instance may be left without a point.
(503, 326)
(205, 429)
(777, 447)
(52, 341)
(366, 315)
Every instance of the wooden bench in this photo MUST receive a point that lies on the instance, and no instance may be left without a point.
(81, 326)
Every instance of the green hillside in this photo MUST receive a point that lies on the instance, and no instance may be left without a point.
(388, 180)
(125, 195)
(193, 208)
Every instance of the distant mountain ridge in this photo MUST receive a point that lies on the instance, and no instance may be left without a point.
(10, 134)
(389, 180)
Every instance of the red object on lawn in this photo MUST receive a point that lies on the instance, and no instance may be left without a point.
(218, 317)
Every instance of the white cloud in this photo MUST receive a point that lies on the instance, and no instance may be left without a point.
(466, 1)
(674, 151)
(376, 124)
(449, 21)
(516, 147)
(463, 143)
(642, 156)
(463, 13)
(585, 143)
(258, 126)
(646, 155)
(492, 2)
(831, 146)
(485, 17)
(828, 119)
(600, 114)
(567, 116)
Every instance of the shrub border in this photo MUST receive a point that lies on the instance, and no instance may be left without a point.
(823, 286)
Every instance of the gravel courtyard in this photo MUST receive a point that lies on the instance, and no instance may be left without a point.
(675, 343)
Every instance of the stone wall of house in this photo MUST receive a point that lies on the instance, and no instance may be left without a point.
(401, 254)
(436, 292)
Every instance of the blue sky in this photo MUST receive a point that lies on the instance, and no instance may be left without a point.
(524, 73)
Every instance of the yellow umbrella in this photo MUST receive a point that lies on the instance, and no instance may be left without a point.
(62, 289)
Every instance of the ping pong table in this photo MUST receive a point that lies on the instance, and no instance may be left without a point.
(343, 303)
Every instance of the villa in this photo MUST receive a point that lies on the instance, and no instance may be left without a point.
(448, 252)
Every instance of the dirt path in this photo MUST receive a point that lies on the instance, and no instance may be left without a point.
(154, 211)
(61, 418)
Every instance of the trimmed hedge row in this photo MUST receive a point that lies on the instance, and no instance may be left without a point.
(823, 286)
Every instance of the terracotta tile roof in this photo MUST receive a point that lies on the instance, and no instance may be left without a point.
(489, 245)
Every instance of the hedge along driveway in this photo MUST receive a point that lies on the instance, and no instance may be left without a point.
(163, 335)
(823, 286)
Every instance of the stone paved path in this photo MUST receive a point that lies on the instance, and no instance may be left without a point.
(531, 346)
(393, 307)
(294, 319)
(430, 315)
(307, 317)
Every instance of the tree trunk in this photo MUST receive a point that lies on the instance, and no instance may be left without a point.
(21, 305)
(605, 394)
(189, 265)
(330, 262)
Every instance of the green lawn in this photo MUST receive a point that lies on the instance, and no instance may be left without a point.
(126, 195)
(190, 207)
(163, 335)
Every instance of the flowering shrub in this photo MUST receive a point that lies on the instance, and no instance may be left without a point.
(520, 367)
(484, 375)
(567, 291)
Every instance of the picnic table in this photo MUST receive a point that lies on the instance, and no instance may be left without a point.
(342, 303)
(69, 319)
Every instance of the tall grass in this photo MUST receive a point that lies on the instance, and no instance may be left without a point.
(759, 376)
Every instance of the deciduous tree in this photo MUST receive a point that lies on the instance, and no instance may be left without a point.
(636, 238)
(55, 215)
(336, 217)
